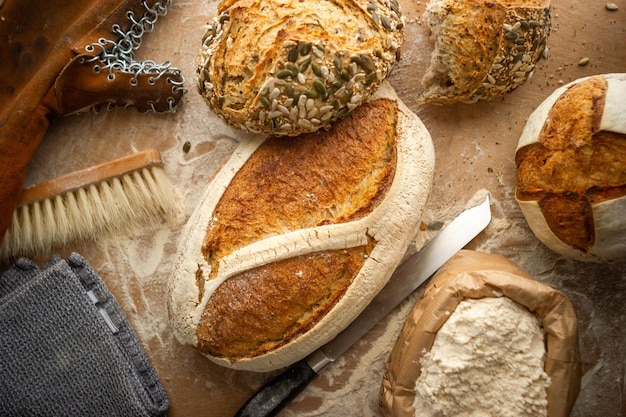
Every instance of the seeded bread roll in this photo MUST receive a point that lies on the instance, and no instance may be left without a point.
(293, 238)
(571, 169)
(483, 49)
(289, 67)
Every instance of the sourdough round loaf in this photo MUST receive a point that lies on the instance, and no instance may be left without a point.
(571, 169)
(285, 67)
(483, 48)
(477, 275)
(216, 303)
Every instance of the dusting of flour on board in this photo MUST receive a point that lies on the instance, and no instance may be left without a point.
(351, 385)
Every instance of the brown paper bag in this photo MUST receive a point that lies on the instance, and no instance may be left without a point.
(475, 275)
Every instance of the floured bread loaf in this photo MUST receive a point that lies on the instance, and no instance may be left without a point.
(293, 238)
(571, 169)
(285, 67)
(483, 48)
(485, 339)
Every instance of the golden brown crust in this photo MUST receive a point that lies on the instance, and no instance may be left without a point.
(294, 67)
(325, 177)
(341, 174)
(483, 48)
(573, 165)
(261, 309)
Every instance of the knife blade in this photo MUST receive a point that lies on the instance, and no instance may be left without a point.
(276, 394)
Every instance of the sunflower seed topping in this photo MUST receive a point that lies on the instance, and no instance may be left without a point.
(312, 82)
(325, 109)
(274, 93)
(386, 22)
(304, 123)
(318, 52)
(293, 114)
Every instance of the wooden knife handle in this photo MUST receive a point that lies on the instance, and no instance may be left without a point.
(273, 396)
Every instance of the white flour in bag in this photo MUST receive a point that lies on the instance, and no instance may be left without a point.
(487, 360)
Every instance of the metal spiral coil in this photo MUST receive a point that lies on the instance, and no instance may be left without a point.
(120, 55)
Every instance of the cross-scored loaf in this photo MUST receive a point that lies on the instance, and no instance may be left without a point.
(571, 169)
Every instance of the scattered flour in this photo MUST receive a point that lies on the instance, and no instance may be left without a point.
(487, 360)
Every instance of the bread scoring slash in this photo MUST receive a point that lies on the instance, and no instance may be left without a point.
(293, 238)
(286, 67)
(571, 169)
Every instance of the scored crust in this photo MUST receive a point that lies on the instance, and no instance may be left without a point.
(289, 67)
(571, 177)
(483, 49)
(291, 241)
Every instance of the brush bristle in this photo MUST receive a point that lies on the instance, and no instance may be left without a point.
(120, 205)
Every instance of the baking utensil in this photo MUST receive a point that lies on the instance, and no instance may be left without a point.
(113, 197)
(276, 394)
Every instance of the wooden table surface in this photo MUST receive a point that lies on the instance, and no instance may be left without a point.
(475, 146)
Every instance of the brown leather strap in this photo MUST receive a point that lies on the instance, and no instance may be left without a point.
(82, 85)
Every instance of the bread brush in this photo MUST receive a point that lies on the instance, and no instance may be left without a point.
(114, 197)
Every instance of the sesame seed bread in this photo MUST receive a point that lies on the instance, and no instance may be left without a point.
(285, 67)
(571, 170)
(483, 49)
(293, 238)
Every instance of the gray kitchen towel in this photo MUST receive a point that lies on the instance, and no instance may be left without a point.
(67, 349)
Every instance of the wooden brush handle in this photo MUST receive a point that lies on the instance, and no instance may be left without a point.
(98, 173)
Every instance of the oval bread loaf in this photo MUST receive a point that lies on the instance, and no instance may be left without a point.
(292, 239)
(571, 169)
(285, 67)
(483, 48)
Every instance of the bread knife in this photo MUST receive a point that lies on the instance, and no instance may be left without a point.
(276, 394)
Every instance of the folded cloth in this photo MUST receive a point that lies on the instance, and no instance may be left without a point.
(67, 349)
